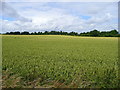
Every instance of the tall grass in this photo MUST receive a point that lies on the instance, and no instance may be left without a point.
(61, 61)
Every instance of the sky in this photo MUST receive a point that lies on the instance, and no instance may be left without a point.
(58, 16)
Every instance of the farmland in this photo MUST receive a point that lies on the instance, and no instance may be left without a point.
(59, 61)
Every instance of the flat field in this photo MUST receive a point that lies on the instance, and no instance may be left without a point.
(59, 61)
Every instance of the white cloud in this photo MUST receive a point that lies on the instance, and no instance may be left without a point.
(60, 17)
(99, 20)
(10, 12)
(61, 0)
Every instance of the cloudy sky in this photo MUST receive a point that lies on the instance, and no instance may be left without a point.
(65, 16)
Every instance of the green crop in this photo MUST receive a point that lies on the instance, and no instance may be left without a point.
(70, 60)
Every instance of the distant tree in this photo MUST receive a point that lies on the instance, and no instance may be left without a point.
(94, 33)
(34, 33)
(25, 33)
(113, 33)
(39, 33)
(17, 33)
(73, 33)
(11, 33)
(7, 33)
(46, 33)
(64, 33)
(53, 32)
(104, 34)
(57, 33)
(31, 33)
(118, 35)
(61, 33)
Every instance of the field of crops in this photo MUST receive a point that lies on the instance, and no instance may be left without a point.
(59, 61)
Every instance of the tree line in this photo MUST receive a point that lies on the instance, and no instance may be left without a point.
(94, 33)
